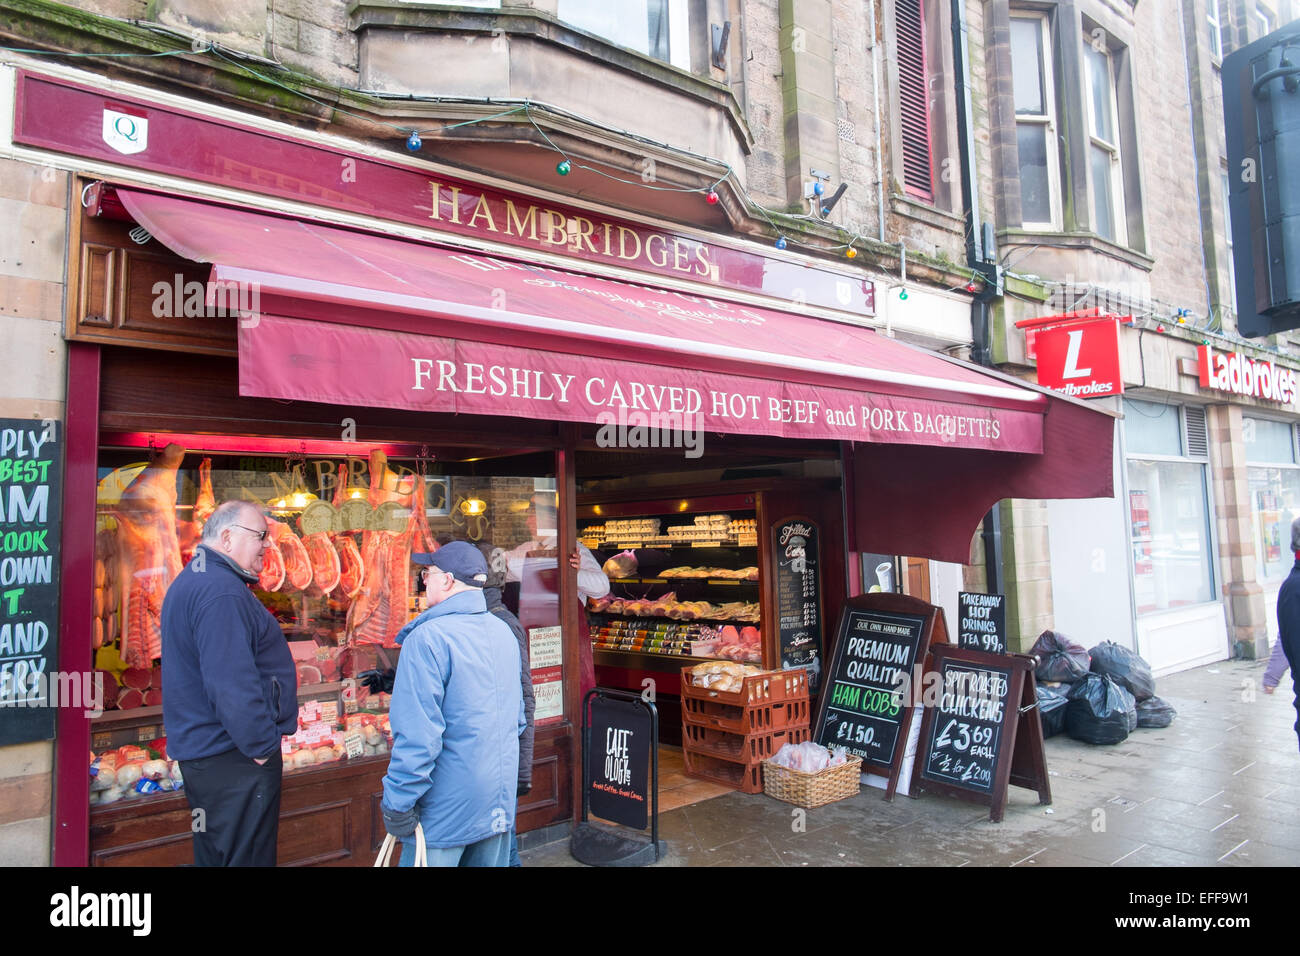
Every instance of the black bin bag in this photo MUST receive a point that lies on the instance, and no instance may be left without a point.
(1099, 711)
(1051, 705)
(1059, 659)
(1125, 668)
(1154, 712)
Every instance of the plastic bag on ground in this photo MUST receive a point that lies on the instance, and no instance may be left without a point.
(809, 757)
(1059, 658)
(1099, 711)
(1051, 705)
(1154, 712)
(1125, 668)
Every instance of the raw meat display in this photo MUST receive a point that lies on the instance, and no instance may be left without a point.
(272, 576)
(148, 554)
(297, 563)
(351, 568)
(325, 566)
(382, 604)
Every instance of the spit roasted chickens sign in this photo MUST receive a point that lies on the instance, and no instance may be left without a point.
(31, 456)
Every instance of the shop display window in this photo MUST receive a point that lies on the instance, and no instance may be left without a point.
(338, 578)
(681, 585)
(1170, 534)
(1274, 479)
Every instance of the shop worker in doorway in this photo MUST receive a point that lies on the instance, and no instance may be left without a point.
(1288, 618)
(232, 691)
(592, 582)
(457, 713)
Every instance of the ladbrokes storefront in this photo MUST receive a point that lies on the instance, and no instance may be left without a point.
(376, 386)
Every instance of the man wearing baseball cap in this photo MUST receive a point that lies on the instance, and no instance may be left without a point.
(456, 715)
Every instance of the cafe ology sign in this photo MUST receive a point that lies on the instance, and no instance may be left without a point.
(1239, 374)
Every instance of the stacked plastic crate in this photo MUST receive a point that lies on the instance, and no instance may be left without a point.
(726, 735)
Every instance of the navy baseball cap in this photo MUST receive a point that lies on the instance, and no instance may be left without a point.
(460, 558)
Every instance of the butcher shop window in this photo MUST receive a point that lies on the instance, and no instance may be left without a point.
(338, 578)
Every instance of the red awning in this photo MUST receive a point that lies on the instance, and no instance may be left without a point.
(352, 318)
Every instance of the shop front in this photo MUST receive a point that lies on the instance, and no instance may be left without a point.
(1183, 566)
(240, 332)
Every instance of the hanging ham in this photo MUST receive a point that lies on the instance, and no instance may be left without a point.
(297, 563)
(148, 554)
(382, 604)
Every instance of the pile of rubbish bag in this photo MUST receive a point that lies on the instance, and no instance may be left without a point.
(1098, 696)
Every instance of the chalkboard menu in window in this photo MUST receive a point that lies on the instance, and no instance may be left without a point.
(981, 729)
(867, 697)
(795, 557)
(31, 495)
(982, 622)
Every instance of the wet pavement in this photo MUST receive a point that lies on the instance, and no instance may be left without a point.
(1219, 787)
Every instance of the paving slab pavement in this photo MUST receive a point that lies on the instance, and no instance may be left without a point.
(1219, 787)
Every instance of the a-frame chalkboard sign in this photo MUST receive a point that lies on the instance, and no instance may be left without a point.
(981, 729)
(866, 705)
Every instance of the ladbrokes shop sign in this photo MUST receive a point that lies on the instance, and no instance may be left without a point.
(1239, 374)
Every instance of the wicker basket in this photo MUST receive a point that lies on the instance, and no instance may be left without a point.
(810, 790)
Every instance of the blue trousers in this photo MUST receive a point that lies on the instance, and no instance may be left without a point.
(492, 851)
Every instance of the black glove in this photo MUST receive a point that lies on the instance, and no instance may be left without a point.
(523, 789)
(400, 824)
(379, 682)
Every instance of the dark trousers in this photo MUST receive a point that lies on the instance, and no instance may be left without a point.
(236, 809)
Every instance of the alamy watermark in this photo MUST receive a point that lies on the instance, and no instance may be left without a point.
(25, 683)
(638, 429)
(217, 298)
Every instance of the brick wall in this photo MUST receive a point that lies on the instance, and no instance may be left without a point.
(33, 202)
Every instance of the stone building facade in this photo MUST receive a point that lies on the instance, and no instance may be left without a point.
(759, 101)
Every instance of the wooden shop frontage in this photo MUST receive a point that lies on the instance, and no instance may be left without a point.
(404, 355)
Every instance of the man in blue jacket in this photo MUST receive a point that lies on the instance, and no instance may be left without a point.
(232, 691)
(456, 714)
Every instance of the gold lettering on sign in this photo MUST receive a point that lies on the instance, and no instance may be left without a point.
(579, 233)
(553, 225)
(662, 261)
(515, 225)
(434, 211)
(679, 256)
(704, 267)
(585, 227)
(623, 233)
(483, 211)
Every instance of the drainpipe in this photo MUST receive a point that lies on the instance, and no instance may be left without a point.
(980, 257)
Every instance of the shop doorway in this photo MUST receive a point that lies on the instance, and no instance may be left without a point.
(686, 546)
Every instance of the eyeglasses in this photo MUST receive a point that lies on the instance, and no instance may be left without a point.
(424, 574)
(261, 535)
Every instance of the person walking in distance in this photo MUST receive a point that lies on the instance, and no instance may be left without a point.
(232, 691)
(1288, 618)
(457, 713)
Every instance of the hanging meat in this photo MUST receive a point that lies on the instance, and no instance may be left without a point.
(272, 576)
(324, 559)
(351, 568)
(148, 554)
(190, 532)
(297, 563)
(381, 606)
